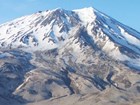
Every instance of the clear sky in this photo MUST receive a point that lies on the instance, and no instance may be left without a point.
(125, 11)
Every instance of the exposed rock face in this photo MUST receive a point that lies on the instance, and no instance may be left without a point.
(74, 57)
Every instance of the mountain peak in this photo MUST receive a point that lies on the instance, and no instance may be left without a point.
(87, 15)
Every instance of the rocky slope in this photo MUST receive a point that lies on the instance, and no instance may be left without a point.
(74, 57)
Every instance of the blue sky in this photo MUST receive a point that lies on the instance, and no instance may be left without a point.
(125, 11)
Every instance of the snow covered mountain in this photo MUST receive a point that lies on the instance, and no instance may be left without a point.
(80, 52)
(50, 29)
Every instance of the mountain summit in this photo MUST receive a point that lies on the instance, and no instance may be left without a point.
(69, 56)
